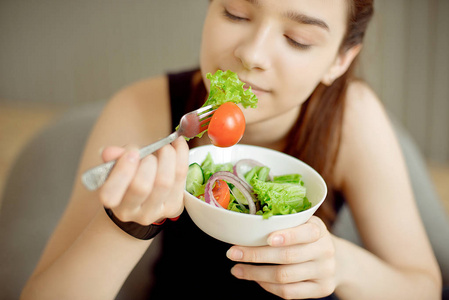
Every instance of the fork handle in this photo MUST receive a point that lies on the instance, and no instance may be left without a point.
(95, 177)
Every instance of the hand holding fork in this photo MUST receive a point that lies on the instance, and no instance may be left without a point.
(191, 125)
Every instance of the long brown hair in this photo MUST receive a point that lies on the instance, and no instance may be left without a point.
(315, 137)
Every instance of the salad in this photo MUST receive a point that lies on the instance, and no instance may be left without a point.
(247, 187)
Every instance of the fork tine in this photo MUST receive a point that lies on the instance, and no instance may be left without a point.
(204, 123)
(199, 111)
(207, 114)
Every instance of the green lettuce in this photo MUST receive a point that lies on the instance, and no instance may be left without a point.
(280, 198)
(227, 87)
(288, 178)
(260, 173)
(209, 167)
(198, 189)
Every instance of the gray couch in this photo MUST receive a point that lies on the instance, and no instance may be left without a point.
(40, 181)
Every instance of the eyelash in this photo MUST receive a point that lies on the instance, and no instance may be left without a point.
(291, 42)
(232, 17)
(297, 45)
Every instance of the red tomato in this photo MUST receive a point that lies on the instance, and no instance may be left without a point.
(221, 193)
(227, 125)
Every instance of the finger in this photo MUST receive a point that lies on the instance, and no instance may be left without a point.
(139, 189)
(299, 290)
(111, 153)
(182, 166)
(115, 186)
(274, 255)
(166, 167)
(154, 207)
(309, 232)
(181, 144)
(182, 159)
(279, 274)
(143, 182)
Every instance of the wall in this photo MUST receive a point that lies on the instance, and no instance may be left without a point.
(65, 51)
(406, 60)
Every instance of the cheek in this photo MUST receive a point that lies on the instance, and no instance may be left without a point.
(208, 45)
(216, 46)
(294, 84)
(300, 77)
(296, 89)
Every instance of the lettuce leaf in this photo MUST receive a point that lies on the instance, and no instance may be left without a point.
(227, 87)
(198, 189)
(209, 167)
(280, 198)
(260, 173)
(288, 178)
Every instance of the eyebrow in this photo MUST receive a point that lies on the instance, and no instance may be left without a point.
(299, 18)
(304, 19)
(255, 2)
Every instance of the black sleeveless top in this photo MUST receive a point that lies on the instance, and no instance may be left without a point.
(192, 264)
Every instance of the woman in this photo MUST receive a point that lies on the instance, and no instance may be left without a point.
(297, 55)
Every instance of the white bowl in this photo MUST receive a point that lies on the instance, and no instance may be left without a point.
(244, 229)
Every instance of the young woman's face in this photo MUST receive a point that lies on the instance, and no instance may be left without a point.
(281, 48)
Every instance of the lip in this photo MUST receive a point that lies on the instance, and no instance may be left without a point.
(254, 87)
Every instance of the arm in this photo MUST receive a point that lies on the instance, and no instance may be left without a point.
(88, 257)
(376, 185)
(397, 263)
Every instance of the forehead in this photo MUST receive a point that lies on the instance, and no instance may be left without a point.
(323, 13)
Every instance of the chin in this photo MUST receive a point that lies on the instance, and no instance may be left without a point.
(254, 116)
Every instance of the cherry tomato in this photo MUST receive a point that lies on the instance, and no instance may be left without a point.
(227, 125)
(221, 193)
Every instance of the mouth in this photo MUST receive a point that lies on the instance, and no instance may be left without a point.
(255, 88)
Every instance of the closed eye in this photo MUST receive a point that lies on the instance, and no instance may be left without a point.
(232, 17)
(296, 44)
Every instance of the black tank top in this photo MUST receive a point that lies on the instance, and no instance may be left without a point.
(193, 264)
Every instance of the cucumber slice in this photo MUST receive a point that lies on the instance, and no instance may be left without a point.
(195, 176)
(239, 196)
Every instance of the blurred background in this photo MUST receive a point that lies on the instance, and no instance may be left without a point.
(59, 54)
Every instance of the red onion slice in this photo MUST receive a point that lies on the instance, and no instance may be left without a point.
(243, 166)
(240, 184)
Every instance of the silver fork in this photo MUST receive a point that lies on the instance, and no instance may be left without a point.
(192, 124)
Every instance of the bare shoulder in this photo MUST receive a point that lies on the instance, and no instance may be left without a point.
(143, 108)
(365, 116)
(373, 176)
(370, 168)
(367, 133)
(139, 114)
(362, 106)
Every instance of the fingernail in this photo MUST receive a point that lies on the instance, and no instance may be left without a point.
(237, 271)
(276, 240)
(234, 254)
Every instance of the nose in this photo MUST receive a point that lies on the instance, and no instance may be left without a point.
(254, 50)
